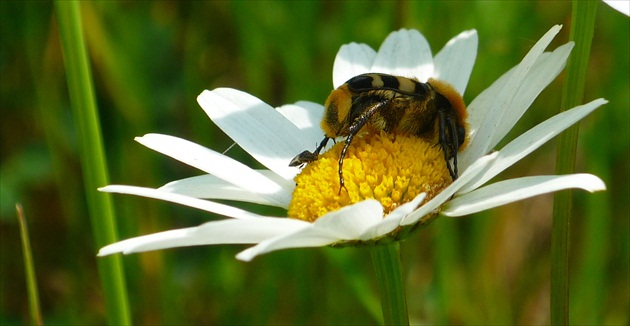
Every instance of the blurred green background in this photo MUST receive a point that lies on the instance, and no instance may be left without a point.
(151, 59)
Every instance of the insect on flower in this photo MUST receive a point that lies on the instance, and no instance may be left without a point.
(433, 110)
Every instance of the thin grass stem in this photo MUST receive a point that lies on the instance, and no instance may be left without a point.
(582, 26)
(92, 156)
(29, 269)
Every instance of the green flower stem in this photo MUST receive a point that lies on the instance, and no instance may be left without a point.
(92, 157)
(388, 268)
(29, 269)
(582, 26)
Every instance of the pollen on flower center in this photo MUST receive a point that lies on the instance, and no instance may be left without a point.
(390, 168)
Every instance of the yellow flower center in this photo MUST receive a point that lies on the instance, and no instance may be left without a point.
(390, 168)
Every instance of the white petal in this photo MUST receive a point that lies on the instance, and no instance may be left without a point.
(306, 237)
(307, 117)
(531, 140)
(303, 114)
(545, 70)
(344, 224)
(405, 53)
(392, 220)
(478, 110)
(219, 165)
(211, 187)
(217, 232)
(504, 192)
(201, 204)
(455, 61)
(256, 127)
(623, 6)
(351, 60)
(499, 111)
(432, 205)
(349, 222)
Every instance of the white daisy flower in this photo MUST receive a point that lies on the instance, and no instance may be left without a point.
(391, 175)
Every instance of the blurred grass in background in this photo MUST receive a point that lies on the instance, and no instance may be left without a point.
(150, 61)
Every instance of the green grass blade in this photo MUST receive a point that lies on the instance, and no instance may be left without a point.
(29, 268)
(583, 22)
(92, 157)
